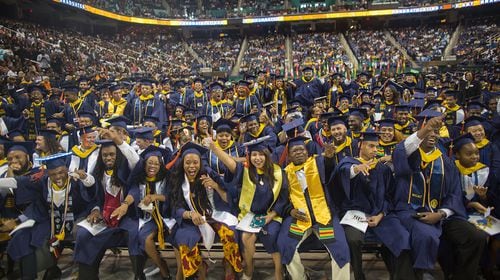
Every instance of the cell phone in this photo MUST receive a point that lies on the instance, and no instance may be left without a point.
(418, 215)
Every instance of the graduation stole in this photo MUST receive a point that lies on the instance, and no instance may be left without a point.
(372, 165)
(2, 110)
(279, 95)
(469, 170)
(248, 192)
(158, 219)
(62, 233)
(452, 109)
(156, 137)
(138, 108)
(252, 92)
(117, 104)
(146, 98)
(214, 160)
(481, 144)
(32, 117)
(83, 154)
(426, 188)
(261, 128)
(383, 147)
(309, 123)
(85, 94)
(317, 198)
(326, 134)
(76, 105)
(347, 143)
(443, 132)
(246, 103)
(306, 81)
(107, 107)
(399, 127)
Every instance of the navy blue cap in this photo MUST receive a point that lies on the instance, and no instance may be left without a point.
(14, 133)
(432, 104)
(56, 160)
(473, 121)
(182, 106)
(250, 77)
(204, 117)
(319, 99)
(428, 114)
(249, 118)
(192, 148)
(88, 114)
(258, 144)
(105, 142)
(48, 133)
(366, 74)
(475, 105)
(27, 147)
(296, 123)
(176, 122)
(261, 72)
(345, 96)
(395, 85)
(115, 87)
(152, 150)
(365, 105)
(417, 103)
(40, 88)
(402, 107)
(119, 121)
(83, 79)
(58, 121)
(152, 119)
(457, 143)
(337, 120)
(360, 112)
(179, 83)
(216, 86)
(307, 68)
(419, 95)
(198, 80)
(369, 135)
(243, 83)
(147, 82)
(71, 89)
(327, 115)
(386, 123)
(144, 133)
(297, 141)
(86, 129)
(224, 125)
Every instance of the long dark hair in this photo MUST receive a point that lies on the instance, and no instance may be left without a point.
(176, 179)
(268, 169)
(138, 175)
(53, 146)
(100, 167)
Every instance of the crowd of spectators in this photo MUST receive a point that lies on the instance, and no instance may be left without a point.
(424, 43)
(219, 54)
(265, 53)
(321, 50)
(479, 43)
(373, 50)
(191, 9)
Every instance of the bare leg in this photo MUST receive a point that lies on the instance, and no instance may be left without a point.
(248, 251)
(150, 248)
(178, 275)
(278, 274)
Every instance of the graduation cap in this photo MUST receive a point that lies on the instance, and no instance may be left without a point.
(419, 95)
(258, 144)
(71, 89)
(475, 105)
(416, 103)
(152, 150)
(366, 92)
(345, 96)
(327, 115)
(4, 140)
(103, 86)
(307, 68)
(402, 108)
(204, 117)
(144, 133)
(192, 148)
(83, 79)
(119, 121)
(47, 133)
(292, 125)
(190, 110)
(33, 88)
(105, 142)
(335, 75)
(176, 122)
(319, 99)
(365, 74)
(297, 141)
(236, 117)
(369, 135)
(279, 77)
(115, 87)
(165, 81)
(216, 86)
(58, 121)
(335, 120)
(27, 147)
(433, 104)
(386, 123)
(152, 119)
(261, 72)
(86, 114)
(249, 118)
(86, 129)
(426, 115)
(243, 83)
(250, 77)
(56, 160)
(451, 93)
(147, 82)
(473, 121)
(198, 80)
(360, 112)
(456, 144)
(367, 106)
(224, 125)
(397, 87)
(15, 133)
(179, 83)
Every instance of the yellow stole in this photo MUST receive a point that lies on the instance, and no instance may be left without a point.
(320, 208)
(443, 132)
(217, 104)
(146, 98)
(382, 143)
(198, 94)
(428, 158)
(481, 144)
(372, 165)
(469, 170)
(83, 154)
(399, 127)
(347, 142)
(248, 191)
(261, 128)
(228, 146)
(325, 133)
(308, 124)
(452, 109)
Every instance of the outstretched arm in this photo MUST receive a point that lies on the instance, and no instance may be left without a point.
(228, 161)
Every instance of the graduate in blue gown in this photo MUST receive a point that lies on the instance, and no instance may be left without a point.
(364, 184)
(225, 141)
(245, 103)
(38, 111)
(259, 188)
(57, 204)
(255, 130)
(148, 185)
(84, 155)
(344, 145)
(110, 207)
(145, 104)
(199, 203)
(307, 88)
(428, 200)
(311, 211)
(489, 153)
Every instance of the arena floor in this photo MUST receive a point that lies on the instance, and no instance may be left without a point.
(117, 267)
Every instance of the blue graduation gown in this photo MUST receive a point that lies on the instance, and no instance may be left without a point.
(218, 166)
(306, 92)
(490, 156)
(244, 106)
(137, 109)
(261, 203)
(339, 248)
(425, 238)
(372, 196)
(268, 131)
(25, 241)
